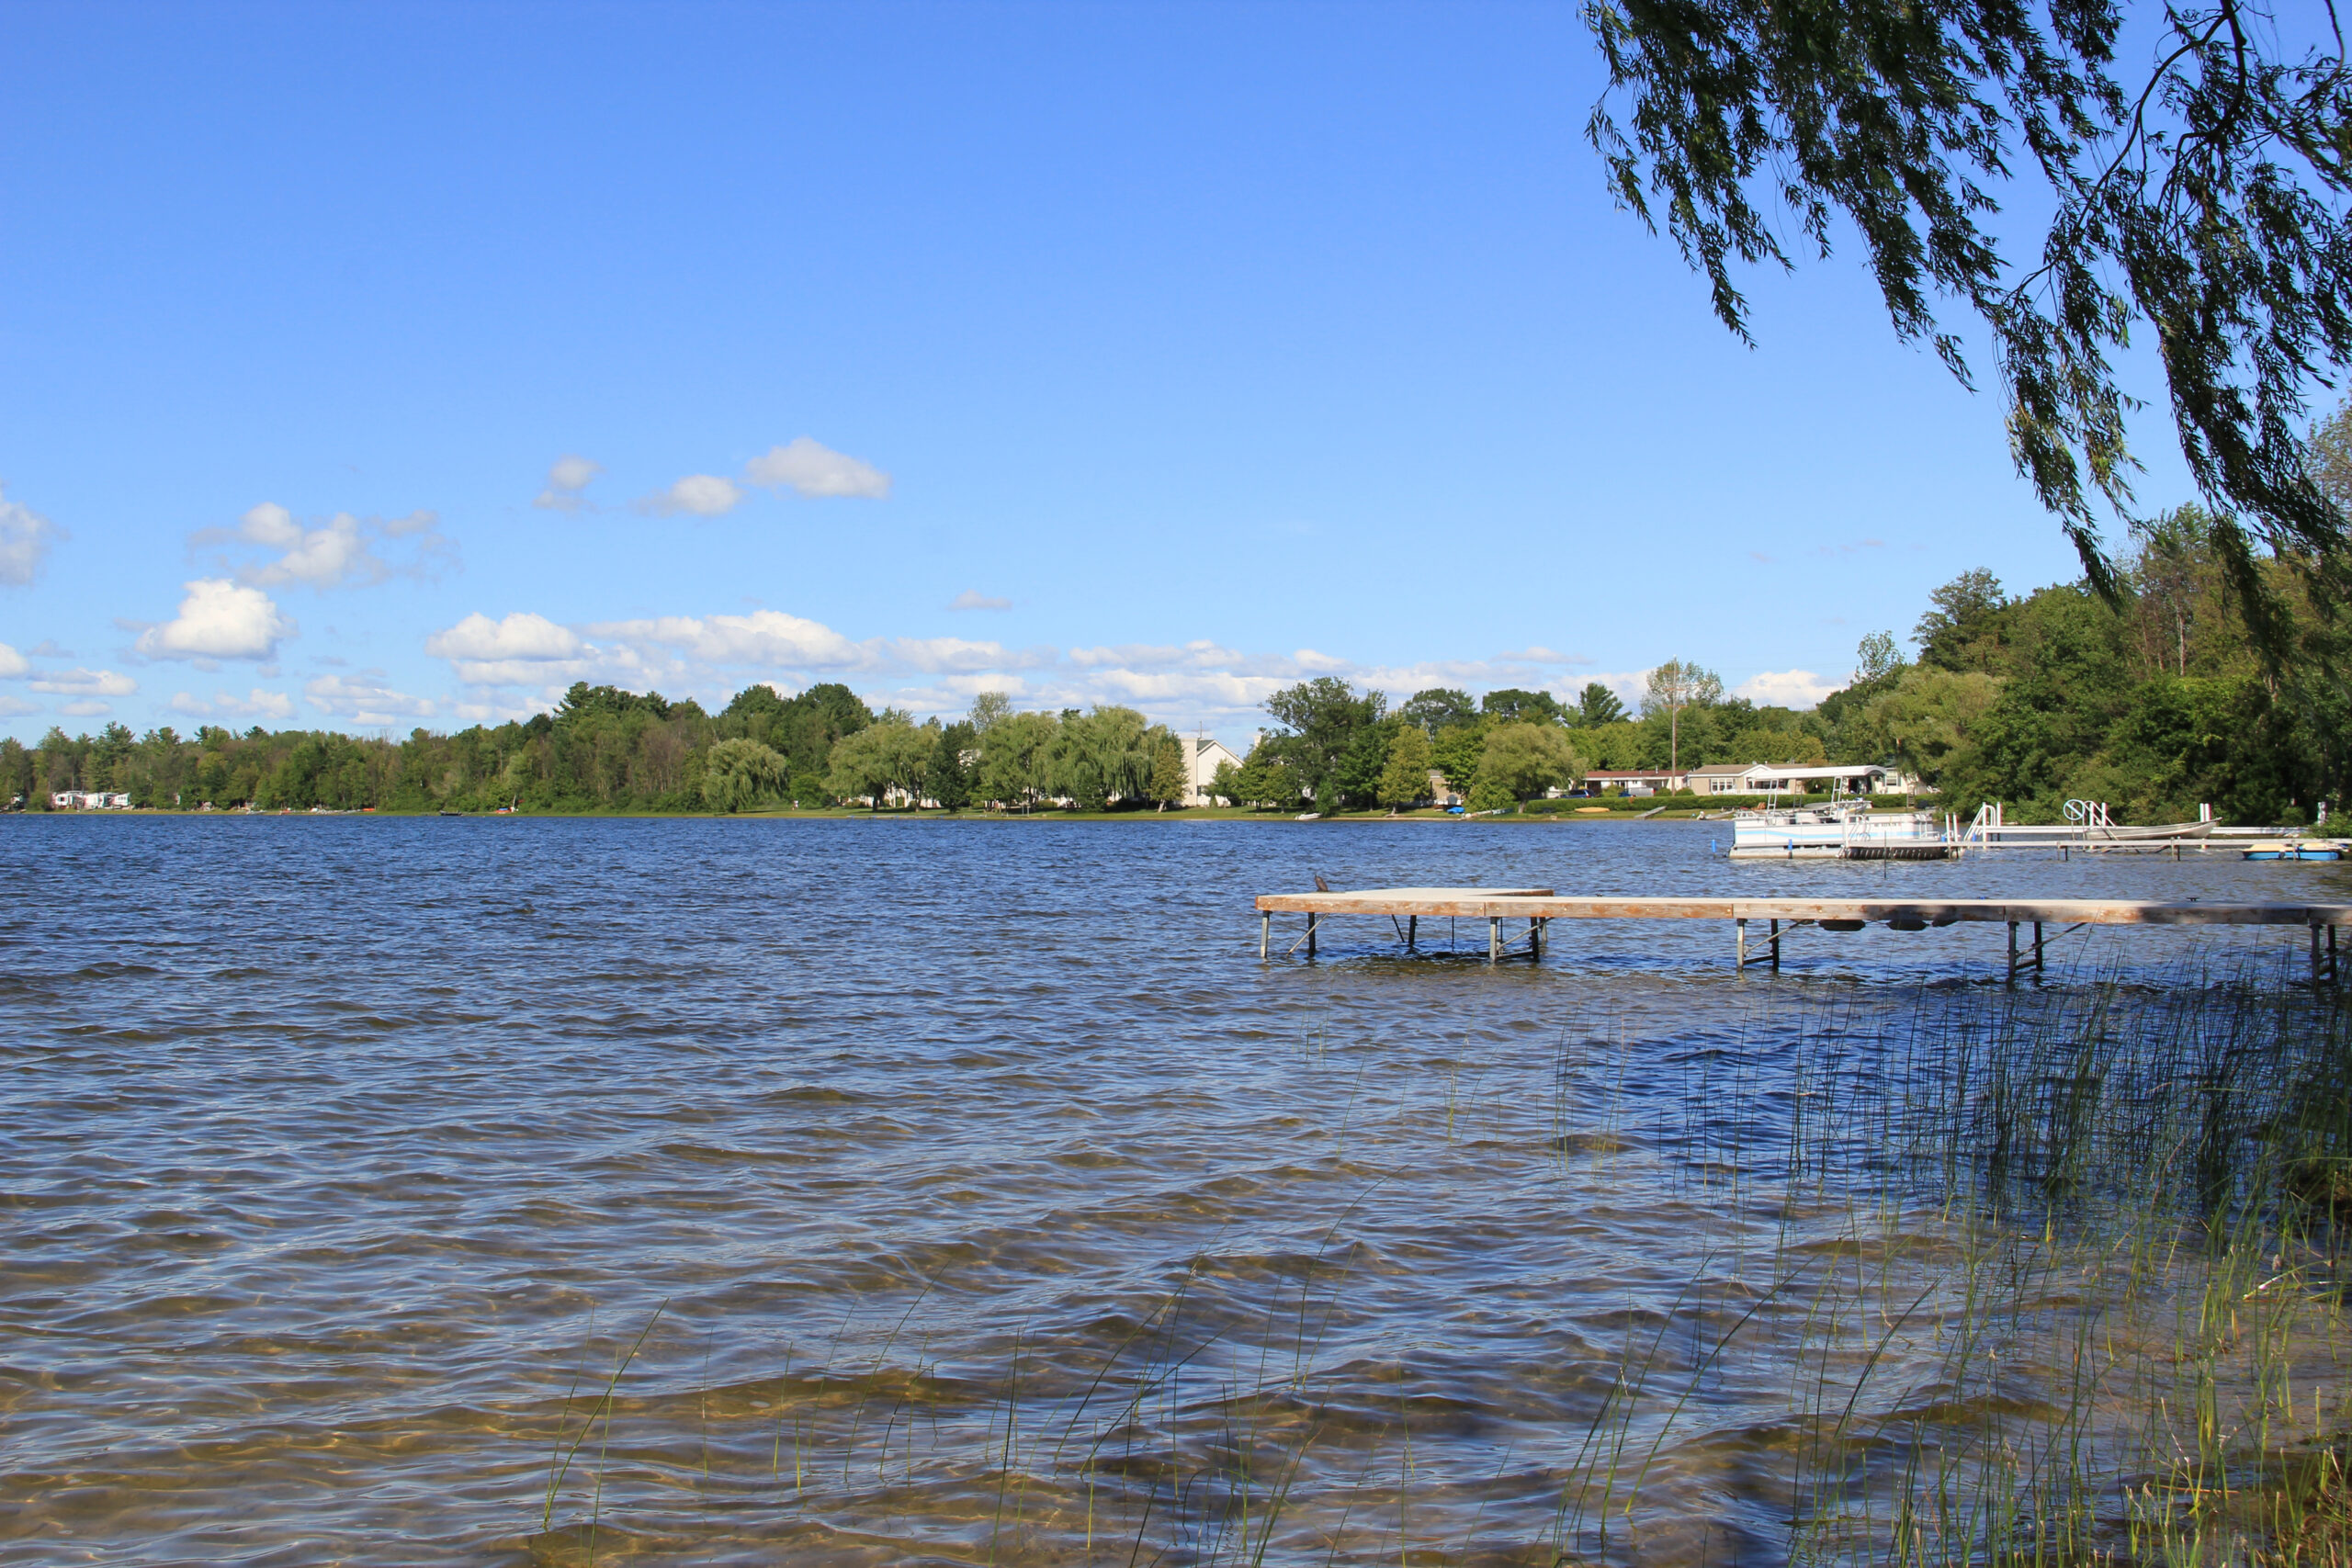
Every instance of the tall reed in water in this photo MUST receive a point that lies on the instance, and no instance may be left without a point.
(2033, 1276)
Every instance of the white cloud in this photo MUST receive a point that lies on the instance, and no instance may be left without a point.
(549, 674)
(85, 683)
(364, 699)
(773, 639)
(12, 663)
(219, 620)
(566, 477)
(1199, 655)
(1786, 688)
(25, 538)
(255, 704)
(814, 470)
(934, 654)
(520, 636)
(15, 707)
(85, 708)
(972, 599)
(764, 637)
(523, 650)
(339, 552)
(497, 710)
(702, 495)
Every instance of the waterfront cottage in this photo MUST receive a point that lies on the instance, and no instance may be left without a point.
(1203, 757)
(1634, 781)
(89, 800)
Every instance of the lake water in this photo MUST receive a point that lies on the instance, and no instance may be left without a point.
(502, 1191)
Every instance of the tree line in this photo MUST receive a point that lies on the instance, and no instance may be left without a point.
(604, 748)
(2156, 698)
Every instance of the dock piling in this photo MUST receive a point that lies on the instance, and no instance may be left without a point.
(1540, 906)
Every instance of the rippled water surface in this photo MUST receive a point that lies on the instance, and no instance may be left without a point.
(479, 1190)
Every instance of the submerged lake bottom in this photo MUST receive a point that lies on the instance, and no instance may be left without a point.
(538, 1190)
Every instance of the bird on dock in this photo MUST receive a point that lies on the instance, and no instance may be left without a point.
(1322, 884)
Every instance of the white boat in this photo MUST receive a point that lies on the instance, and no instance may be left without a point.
(1839, 832)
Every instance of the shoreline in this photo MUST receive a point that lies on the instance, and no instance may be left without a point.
(852, 814)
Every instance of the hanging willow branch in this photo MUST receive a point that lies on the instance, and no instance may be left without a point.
(2206, 204)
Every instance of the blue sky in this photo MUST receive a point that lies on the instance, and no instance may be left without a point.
(1154, 354)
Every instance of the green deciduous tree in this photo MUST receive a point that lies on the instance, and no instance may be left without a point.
(1322, 739)
(1674, 686)
(888, 754)
(1171, 781)
(1437, 708)
(955, 758)
(1405, 780)
(1929, 714)
(1105, 755)
(1522, 761)
(1877, 657)
(1961, 629)
(1016, 758)
(2205, 199)
(739, 773)
(1510, 704)
(1267, 777)
(1456, 753)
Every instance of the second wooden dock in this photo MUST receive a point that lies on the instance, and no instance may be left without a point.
(1538, 907)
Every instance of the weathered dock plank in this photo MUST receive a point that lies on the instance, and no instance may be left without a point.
(1541, 906)
(1477, 902)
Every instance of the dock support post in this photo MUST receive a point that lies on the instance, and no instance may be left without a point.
(1311, 923)
(1265, 933)
(2037, 947)
(2314, 953)
(1739, 944)
(1776, 947)
(1494, 938)
(1412, 930)
(2013, 950)
(1535, 939)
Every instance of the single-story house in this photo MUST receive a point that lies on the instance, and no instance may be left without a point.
(1441, 792)
(89, 800)
(1634, 781)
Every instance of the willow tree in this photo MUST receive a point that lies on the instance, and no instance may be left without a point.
(2202, 197)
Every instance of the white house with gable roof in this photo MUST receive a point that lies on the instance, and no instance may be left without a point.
(1202, 756)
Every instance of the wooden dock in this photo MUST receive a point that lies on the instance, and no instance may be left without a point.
(1539, 906)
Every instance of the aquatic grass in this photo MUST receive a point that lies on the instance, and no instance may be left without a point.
(2046, 1275)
